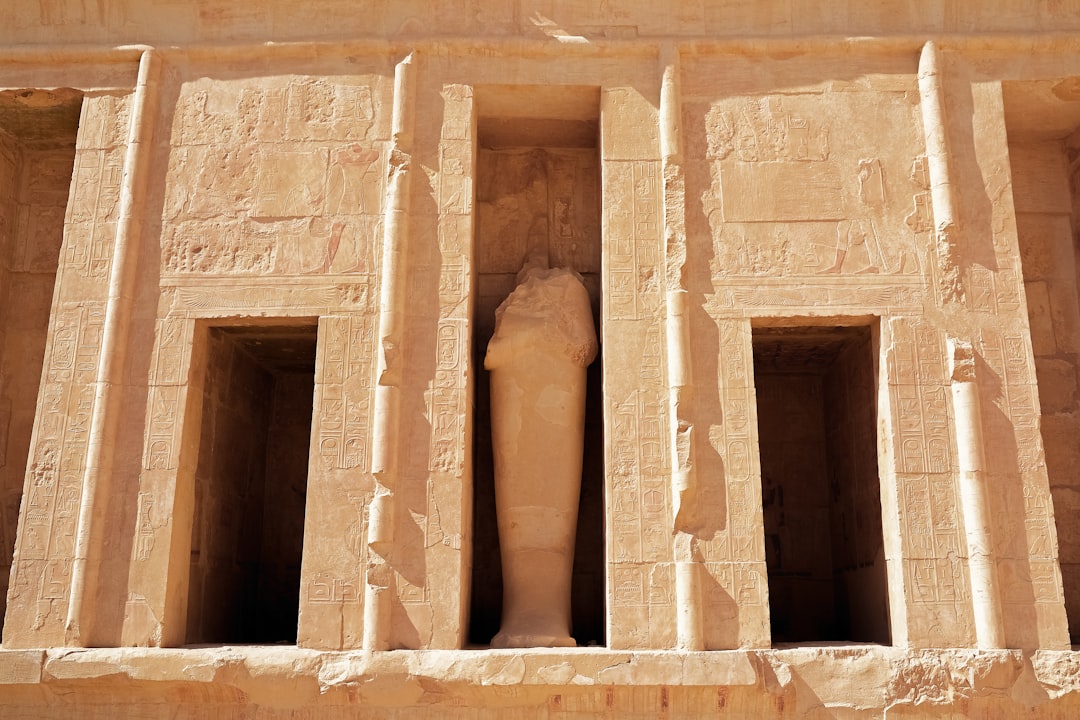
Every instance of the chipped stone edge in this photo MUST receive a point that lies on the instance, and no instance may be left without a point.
(287, 676)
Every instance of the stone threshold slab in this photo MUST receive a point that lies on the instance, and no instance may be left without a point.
(863, 680)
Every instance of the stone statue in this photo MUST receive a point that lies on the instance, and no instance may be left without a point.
(543, 342)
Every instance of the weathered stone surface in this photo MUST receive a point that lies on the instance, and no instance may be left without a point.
(855, 682)
(249, 270)
(538, 358)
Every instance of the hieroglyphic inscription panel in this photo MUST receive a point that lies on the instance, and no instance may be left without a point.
(152, 614)
(632, 216)
(821, 183)
(640, 552)
(936, 591)
(35, 178)
(41, 572)
(94, 205)
(428, 572)
(168, 371)
(1025, 537)
(65, 220)
(735, 594)
(340, 486)
(283, 178)
(447, 396)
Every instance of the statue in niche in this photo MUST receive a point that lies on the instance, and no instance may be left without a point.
(543, 342)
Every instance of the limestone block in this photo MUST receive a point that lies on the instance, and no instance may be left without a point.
(1057, 385)
(129, 21)
(628, 125)
(723, 18)
(1065, 316)
(1046, 246)
(1038, 172)
(336, 552)
(21, 667)
(1061, 452)
(789, 683)
(104, 121)
(819, 184)
(39, 151)
(1043, 340)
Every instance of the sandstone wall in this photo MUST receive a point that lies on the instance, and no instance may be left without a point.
(830, 255)
(164, 22)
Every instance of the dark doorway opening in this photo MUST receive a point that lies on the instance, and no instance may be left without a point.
(251, 484)
(817, 430)
(537, 186)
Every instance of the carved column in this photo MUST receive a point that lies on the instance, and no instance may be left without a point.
(941, 183)
(690, 631)
(390, 371)
(110, 378)
(1014, 589)
(980, 543)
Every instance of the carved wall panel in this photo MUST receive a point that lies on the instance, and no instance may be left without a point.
(37, 600)
(335, 545)
(1012, 342)
(805, 182)
(38, 201)
(641, 590)
(427, 568)
(1042, 196)
(285, 178)
(156, 606)
(796, 185)
(936, 589)
(735, 602)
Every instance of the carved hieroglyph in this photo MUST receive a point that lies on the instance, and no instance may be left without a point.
(731, 170)
(56, 461)
(544, 339)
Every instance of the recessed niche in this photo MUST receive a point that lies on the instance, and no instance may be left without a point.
(824, 550)
(537, 188)
(1043, 124)
(251, 484)
(37, 155)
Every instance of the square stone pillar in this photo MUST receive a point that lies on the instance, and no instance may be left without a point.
(45, 544)
(339, 489)
(641, 578)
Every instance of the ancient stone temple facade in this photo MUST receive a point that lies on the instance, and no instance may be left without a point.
(250, 260)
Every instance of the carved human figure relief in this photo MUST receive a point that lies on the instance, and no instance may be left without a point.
(543, 342)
